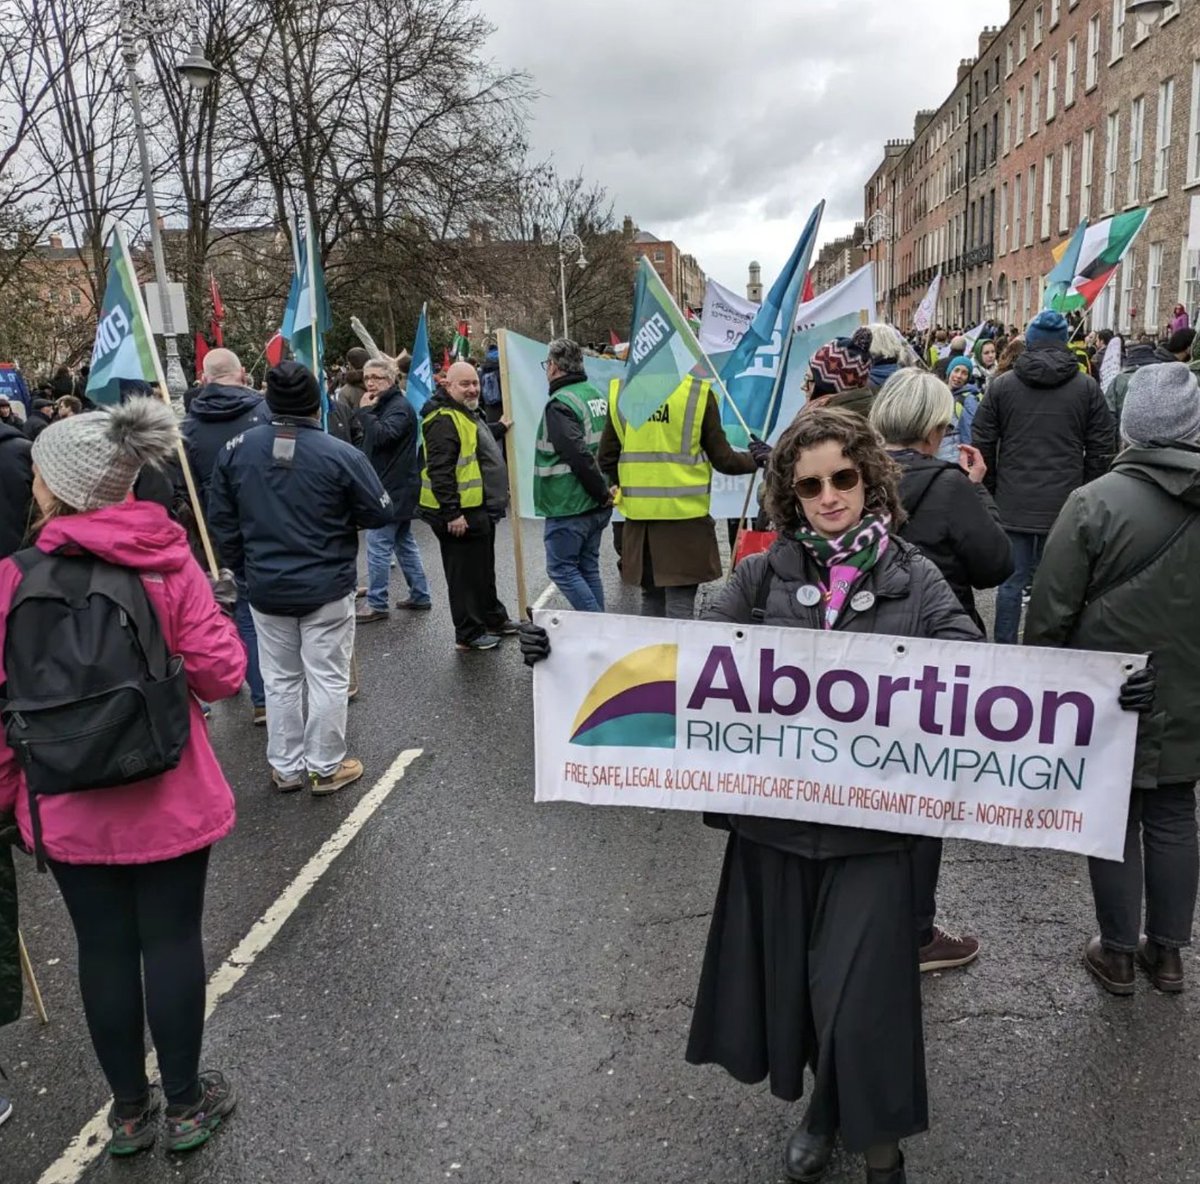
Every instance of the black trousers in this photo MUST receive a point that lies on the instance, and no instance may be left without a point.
(470, 566)
(140, 924)
(927, 866)
(1162, 823)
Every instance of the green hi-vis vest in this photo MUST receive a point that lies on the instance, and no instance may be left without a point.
(663, 472)
(467, 471)
(557, 492)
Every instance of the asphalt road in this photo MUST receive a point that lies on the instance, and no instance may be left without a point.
(484, 990)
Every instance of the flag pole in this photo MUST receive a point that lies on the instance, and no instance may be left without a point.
(510, 442)
(312, 313)
(161, 382)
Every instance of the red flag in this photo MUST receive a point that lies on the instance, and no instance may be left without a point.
(446, 359)
(201, 352)
(808, 293)
(613, 339)
(274, 349)
(215, 329)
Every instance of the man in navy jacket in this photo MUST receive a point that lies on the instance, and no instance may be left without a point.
(286, 503)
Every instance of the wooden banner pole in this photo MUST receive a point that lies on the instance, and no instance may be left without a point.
(514, 508)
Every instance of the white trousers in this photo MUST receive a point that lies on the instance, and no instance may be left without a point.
(312, 651)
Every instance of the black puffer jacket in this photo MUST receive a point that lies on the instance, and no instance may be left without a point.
(955, 524)
(1044, 430)
(1117, 575)
(911, 600)
(16, 488)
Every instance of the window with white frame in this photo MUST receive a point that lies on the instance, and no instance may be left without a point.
(1162, 151)
(1039, 18)
(1003, 217)
(1035, 103)
(1193, 161)
(1064, 188)
(1007, 125)
(1141, 31)
(1016, 222)
(1021, 115)
(1072, 72)
(1055, 12)
(1128, 267)
(1189, 293)
(1092, 73)
(1118, 30)
(1026, 301)
(1087, 162)
(1031, 196)
(1022, 44)
(1008, 60)
(1137, 137)
(1172, 9)
(1047, 192)
(1112, 147)
(1153, 287)
(1052, 88)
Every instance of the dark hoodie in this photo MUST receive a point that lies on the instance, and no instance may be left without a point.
(1043, 430)
(217, 414)
(1117, 575)
(16, 488)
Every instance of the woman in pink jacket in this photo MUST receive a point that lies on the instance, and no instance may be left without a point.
(131, 861)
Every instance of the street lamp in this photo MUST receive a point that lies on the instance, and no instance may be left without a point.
(1149, 12)
(198, 72)
(569, 244)
(879, 230)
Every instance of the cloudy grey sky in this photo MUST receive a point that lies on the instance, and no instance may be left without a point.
(720, 123)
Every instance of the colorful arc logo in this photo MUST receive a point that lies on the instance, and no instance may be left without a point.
(632, 704)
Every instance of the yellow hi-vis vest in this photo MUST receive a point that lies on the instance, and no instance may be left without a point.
(663, 473)
(467, 470)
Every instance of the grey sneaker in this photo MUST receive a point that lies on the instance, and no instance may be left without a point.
(189, 1127)
(485, 641)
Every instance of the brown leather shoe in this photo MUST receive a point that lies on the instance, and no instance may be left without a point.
(1164, 966)
(1112, 969)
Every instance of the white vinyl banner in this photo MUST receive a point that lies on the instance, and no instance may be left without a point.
(1019, 746)
(855, 295)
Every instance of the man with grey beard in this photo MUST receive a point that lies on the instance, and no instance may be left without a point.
(464, 493)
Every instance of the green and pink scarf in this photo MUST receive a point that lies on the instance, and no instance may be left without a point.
(846, 558)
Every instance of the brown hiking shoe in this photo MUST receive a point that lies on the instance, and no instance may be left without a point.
(1112, 969)
(345, 774)
(1163, 965)
(947, 951)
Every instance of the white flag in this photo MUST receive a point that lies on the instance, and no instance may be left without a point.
(724, 320)
(855, 294)
(928, 307)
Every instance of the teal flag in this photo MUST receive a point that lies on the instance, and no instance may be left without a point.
(124, 347)
(663, 350)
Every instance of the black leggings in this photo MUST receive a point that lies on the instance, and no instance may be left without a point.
(135, 921)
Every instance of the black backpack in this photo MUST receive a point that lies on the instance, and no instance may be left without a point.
(93, 698)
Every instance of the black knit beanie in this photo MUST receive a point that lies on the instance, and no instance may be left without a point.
(292, 390)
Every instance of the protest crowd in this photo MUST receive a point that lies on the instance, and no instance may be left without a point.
(174, 563)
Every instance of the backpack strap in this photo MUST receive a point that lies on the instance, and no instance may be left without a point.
(758, 614)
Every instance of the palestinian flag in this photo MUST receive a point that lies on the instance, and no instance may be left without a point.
(693, 319)
(1101, 248)
(460, 347)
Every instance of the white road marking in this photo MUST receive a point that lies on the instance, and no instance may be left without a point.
(91, 1141)
(544, 599)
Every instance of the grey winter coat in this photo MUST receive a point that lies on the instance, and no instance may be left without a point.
(1118, 575)
(912, 599)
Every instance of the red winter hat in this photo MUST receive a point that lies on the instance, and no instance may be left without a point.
(839, 365)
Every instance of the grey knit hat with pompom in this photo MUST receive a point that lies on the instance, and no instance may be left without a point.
(92, 460)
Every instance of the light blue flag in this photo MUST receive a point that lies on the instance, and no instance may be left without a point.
(752, 371)
(420, 370)
(1061, 279)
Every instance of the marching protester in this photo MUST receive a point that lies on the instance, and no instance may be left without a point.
(663, 471)
(391, 434)
(1012, 350)
(67, 406)
(1043, 431)
(285, 506)
(130, 856)
(888, 351)
(1134, 357)
(569, 490)
(986, 359)
(965, 393)
(1116, 576)
(224, 407)
(39, 418)
(16, 487)
(352, 388)
(841, 374)
(952, 521)
(464, 493)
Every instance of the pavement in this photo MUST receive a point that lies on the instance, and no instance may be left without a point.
(483, 990)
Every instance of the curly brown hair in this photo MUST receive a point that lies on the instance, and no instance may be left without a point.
(862, 447)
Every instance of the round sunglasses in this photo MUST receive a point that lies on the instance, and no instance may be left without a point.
(843, 481)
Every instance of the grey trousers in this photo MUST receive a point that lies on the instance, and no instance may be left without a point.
(312, 651)
(1162, 824)
(679, 604)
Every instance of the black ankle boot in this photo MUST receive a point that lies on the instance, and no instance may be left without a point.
(888, 1175)
(806, 1156)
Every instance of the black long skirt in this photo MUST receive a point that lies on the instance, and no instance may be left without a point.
(813, 962)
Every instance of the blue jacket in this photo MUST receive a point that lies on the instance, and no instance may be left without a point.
(292, 528)
(391, 432)
(216, 415)
(966, 404)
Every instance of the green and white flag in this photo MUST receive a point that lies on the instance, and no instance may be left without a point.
(1097, 253)
(663, 350)
(124, 347)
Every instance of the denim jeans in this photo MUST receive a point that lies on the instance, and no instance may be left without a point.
(381, 542)
(573, 558)
(677, 604)
(244, 621)
(1027, 554)
(1162, 823)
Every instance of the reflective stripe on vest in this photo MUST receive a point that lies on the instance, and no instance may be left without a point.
(468, 475)
(663, 472)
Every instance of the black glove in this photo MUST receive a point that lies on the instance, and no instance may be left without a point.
(760, 451)
(224, 590)
(534, 642)
(1138, 691)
